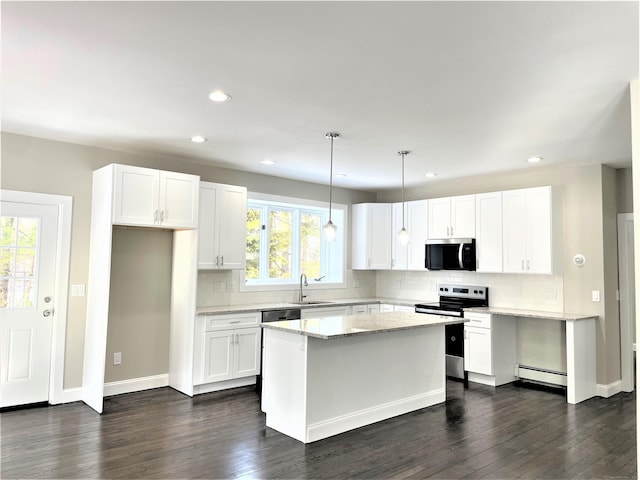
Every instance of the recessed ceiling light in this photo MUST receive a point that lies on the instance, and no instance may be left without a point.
(198, 139)
(430, 174)
(219, 96)
(267, 162)
(340, 175)
(534, 159)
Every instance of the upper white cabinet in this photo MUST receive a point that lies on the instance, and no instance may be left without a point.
(371, 236)
(409, 256)
(489, 232)
(222, 228)
(154, 198)
(527, 232)
(452, 217)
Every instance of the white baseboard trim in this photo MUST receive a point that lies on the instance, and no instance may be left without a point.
(224, 385)
(610, 390)
(333, 426)
(136, 384)
(70, 395)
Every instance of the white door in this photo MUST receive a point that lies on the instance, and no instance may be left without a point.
(477, 350)
(489, 232)
(463, 216)
(218, 351)
(178, 205)
(233, 227)
(626, 281)
(246, 352)
(28, 249)
(135, 196)
(439, 218)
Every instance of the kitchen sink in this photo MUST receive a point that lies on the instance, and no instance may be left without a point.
(311, 302)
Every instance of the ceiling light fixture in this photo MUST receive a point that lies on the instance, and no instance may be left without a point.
(534, 159)
(330, 230)
(430, 174)
(403, 234)
(266, 161)
(198, 139)
(219, 96)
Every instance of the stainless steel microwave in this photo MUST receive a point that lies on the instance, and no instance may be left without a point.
(451, 254)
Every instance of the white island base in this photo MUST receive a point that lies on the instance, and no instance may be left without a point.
(314, 388)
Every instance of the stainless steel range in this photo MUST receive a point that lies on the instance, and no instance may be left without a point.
(453, 300)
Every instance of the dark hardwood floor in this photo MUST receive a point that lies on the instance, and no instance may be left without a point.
(508, 432)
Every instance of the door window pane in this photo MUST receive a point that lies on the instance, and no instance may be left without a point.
(280, 244)
(18, 261)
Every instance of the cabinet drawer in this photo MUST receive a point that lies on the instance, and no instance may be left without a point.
(225, 322)
(482, 320)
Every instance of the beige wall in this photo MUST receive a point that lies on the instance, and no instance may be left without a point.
(39, 165)
(624, 187)
(579, 191)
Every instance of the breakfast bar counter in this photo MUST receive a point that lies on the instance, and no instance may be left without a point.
(325, 376)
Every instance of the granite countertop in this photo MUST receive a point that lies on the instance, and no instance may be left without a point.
(336, 327)
(261, 307)
(516, 312)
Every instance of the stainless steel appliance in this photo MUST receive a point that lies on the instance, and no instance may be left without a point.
(452, 301)
(451, 254)
(274, 316)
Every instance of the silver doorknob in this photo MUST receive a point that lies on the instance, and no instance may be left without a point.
(47, 313)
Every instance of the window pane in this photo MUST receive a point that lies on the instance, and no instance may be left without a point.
(27, 232)
(310, 234)
(23, 293)
(25, 262)
(6, 286)
(8, 231)
(254, 226)
(7, 256)
(280, 243)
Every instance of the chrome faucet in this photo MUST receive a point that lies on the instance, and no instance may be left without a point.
(306, 284)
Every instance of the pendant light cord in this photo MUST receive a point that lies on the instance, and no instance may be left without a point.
(331, 177)
(403, 154)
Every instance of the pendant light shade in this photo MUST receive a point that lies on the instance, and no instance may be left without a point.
(330, 230)
(403, 234)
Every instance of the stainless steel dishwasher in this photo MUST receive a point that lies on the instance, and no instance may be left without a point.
(274, 316)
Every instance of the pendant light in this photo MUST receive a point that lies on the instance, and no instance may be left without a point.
(403, 234)
(330, 230)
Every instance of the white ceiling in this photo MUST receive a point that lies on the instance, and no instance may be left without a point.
(468, 87)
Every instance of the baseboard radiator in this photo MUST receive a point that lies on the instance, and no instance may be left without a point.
(540, 375)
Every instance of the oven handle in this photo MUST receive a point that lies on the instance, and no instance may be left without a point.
(448, 313)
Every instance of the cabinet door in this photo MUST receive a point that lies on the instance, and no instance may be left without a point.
(218, 359)
(135, 195)
(373, 308)
(325, 312)
(417, 212)
(439, 218)
(489, 232)
(358, 309)
(246, 352)
(207, 244)
(178, 206)
(386, 307)
(379, 236)
(477, 350)
(463, 216)
(538, 215)
(514, 228)
(399, 253)
(233, 227)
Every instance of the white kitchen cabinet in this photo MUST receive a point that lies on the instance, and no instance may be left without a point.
(315, 312)
(417, 213)
(489, 349)
(154, 198)
(489, 232)
(227, 347)
(399, 252)
(403, 308)
(527, 235)
(386, 307)
(371, 236)
(222, 230)
(452, 217)
(365, 308)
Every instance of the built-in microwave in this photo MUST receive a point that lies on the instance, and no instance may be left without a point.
(451, 254)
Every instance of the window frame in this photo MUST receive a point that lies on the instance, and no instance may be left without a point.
(300, 206)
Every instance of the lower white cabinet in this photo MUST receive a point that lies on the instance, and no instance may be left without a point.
(489, 349)
(337, 311)
(227, 347)
(370, 308)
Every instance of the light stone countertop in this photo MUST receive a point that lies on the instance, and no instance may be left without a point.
(261, 307)
(516, 312)
(327, 328)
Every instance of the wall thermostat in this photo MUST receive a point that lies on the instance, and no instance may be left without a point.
(579, 260)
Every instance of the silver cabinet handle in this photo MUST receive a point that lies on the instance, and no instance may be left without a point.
(162, 212)
(217, 260)
(528, 265)
(155, 217)
(234, 321)
(237, 338)
(522, 267)
(222, 261)
(452, 231)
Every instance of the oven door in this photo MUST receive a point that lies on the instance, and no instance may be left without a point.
(454, 349)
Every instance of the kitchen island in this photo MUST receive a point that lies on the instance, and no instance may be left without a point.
(324, 376)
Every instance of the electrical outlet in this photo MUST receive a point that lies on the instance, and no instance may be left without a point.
(77, 290)
(232, 286)
(595, 296)
(117, 358)
(356, 283)
(218, 287)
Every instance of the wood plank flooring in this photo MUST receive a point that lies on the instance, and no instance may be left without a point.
(508, 432)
